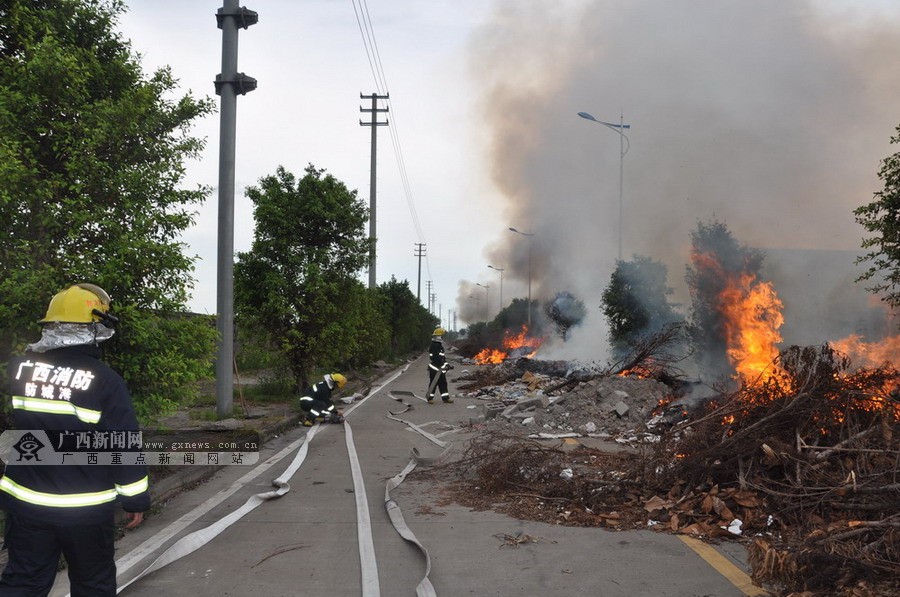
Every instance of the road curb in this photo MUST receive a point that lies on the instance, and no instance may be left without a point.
(175, 483)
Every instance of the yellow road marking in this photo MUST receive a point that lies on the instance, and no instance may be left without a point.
(735, 575)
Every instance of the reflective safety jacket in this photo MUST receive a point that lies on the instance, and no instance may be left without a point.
(320, 391)
(70, 389)
(436, 355)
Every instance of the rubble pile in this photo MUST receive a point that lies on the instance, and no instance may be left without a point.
(804, 466)
(560, 398)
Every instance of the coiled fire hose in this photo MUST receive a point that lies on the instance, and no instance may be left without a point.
(424, 588)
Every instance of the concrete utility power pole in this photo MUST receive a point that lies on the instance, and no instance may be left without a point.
(420, 252)
(229, 83)
(428, 294)
(373, 112)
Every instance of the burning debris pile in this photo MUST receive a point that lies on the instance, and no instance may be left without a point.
(554, 399)
(625, 401)
(794, 450)
(804, 464)
(512, 346)
(819, 446)
(801, 458)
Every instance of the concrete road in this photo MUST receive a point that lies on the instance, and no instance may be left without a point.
(307, 542)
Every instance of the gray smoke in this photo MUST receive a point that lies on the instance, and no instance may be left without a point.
(769, 115)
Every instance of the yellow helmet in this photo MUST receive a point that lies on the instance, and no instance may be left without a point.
(339, 380)
(438, 332)
(79, 303)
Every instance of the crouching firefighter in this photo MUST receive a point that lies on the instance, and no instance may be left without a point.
(60, 387)
(437, 368)
(316, 401)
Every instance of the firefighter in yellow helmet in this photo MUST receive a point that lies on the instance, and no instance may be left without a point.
(62, 389)
(316, 401)
(437, 368)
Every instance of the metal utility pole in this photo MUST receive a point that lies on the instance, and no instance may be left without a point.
(229, 83)
(420, 252)
(373, 112)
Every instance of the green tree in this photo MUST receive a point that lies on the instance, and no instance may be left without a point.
(411, 324)
(296, 286)
(515, 315)
(636, 303)
(92, 158)
(716, 261)
(882, 218)
(564, 311)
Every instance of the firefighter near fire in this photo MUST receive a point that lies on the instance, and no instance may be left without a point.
(437, 368)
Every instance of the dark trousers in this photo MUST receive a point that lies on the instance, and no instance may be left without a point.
(34, 550)
(317, 408)
(441, 384)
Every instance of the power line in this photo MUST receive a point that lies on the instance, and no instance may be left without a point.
(367, 32)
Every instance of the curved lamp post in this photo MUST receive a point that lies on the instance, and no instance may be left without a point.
(477, 300)
(530, 236)
(487, 299)
(501, 270)
(624, 146)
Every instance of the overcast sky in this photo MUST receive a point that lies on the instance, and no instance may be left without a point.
(311, 65)
(769, 115)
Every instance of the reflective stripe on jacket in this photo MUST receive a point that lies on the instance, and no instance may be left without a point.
(70, 389)
(436, 358)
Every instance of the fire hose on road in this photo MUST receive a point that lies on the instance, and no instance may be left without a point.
(197, 539)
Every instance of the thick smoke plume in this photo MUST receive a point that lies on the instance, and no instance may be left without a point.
(770, 116)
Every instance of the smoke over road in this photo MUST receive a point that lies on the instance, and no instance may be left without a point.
(770, 116)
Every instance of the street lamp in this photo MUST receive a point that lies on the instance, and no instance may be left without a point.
(477, 300)
(530, 236)
(499, 269)
(487, 299)
(624, 146)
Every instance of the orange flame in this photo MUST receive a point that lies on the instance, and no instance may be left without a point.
(511, 342)
(490, 356)
(868, 354)
(752, 312)
(521, 340)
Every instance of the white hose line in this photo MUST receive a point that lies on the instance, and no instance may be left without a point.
(190, 543)
(368, 565)
(155, 542)
(424, 588)
(422, 432)
(194, 541)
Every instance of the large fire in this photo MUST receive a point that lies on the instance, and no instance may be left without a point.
(752, 312)
(511, 342)
(752, 317)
